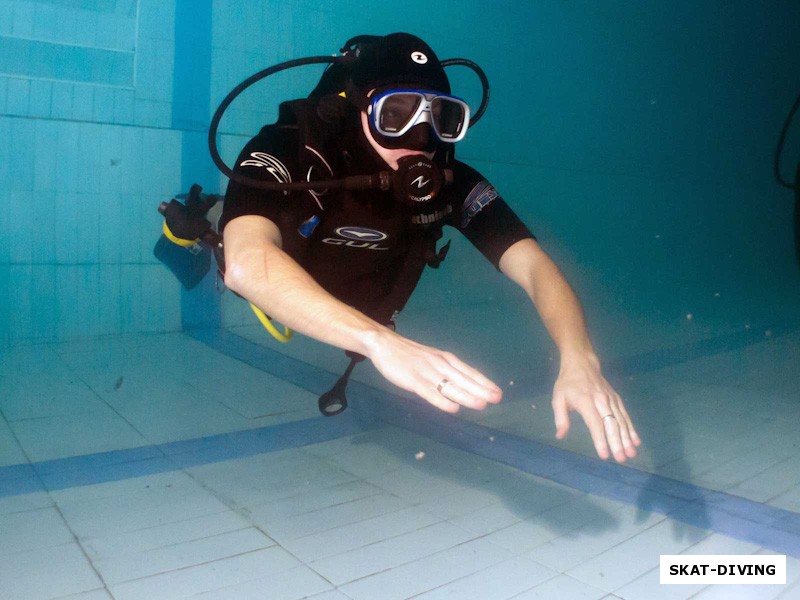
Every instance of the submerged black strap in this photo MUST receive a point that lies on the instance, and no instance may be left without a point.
(334, 401)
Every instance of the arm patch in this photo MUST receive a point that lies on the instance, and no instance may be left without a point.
(480, 197)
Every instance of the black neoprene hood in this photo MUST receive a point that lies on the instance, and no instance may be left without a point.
(399, 59)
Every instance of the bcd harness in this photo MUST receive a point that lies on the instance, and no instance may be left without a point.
(319, 125)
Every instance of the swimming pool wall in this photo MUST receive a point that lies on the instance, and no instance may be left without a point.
(635, 139)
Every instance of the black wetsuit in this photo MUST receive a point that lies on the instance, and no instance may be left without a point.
(363, 247)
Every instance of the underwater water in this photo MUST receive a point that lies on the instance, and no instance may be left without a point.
(156, 442)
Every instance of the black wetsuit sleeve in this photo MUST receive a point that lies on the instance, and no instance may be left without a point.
(482, 215)
(270, 156)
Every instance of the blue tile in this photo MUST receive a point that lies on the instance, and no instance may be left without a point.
(104, 104)
(130, 168)
(20, 242)
(41, 97)
(61, 107)
(90, 180)
(18, 100)
(17, 487)
(3, 94)
(6, 17)
(124, 102)
(46, 25)
(83, 102)
(105, 27)
(46, 171)
(33, 58)
(157, 19)
(23, 19)
(17, 472)
(5, 327)
(26, 302)
(152, 114)
(108, 473)
(96, 461)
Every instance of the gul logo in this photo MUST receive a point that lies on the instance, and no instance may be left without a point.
(358, 237)
(419, 58)
(361, 234)
(270, 163)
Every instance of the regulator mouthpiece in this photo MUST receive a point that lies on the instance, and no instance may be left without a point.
(418, 180)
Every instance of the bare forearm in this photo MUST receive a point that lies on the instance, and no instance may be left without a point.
(269, 278)
(530, 267)
(560, 311)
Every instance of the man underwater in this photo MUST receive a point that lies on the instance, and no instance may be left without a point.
(338, 265)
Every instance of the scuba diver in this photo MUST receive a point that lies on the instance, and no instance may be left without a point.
(339, 264)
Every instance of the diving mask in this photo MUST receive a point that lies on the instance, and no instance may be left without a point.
(393, 113)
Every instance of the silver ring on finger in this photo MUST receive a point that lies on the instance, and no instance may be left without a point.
(441, 386)
(608, 417)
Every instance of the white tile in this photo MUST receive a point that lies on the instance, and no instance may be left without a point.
(24, 502)
(180, 555)
(789, 500)
(23, 531)
(579, 545)
(262, 564)
(390, 553)
(65, 436)
(291, 528)
(257, 394)
(356, 535)
(249, 483)
(430, 572)
(366, 459)
(503, 580)
(790, 591)
(10, 451)
(101, 594)
(562, 587)
(124, 487)
(771, 482)
(332, 595)
(300, 582)
(519, 497)
(31, 359)
(47, 573)
(717, 543)
(745, 467)
(649, 586)
(182, 418)
(740, 592)
(631, 559)
(578, 513)
(27, 397)
(150, 508)
(311, 503)
(458, 504)
(152, 538)
(416, 485)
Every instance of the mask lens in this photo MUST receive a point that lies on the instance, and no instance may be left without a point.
(448, 117)
(397, 110)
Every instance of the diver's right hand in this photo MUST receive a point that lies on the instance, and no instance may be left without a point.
(439, 377)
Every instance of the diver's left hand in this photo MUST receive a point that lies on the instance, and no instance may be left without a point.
(581, 387)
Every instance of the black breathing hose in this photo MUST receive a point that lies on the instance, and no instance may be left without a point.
(380, 180)
(779, 148)
(357, 183)
(796, 185)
